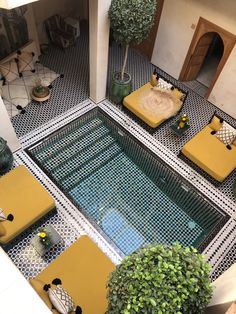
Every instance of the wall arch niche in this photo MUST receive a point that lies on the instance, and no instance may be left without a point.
(208, 38)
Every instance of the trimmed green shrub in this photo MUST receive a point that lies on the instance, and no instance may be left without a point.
(159, 279)
(131, 21)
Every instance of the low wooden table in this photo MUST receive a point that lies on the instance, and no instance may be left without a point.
(45, 96)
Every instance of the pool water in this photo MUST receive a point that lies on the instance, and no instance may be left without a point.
(128, 193)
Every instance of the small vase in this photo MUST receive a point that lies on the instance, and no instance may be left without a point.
(120, 88)
(6, 157)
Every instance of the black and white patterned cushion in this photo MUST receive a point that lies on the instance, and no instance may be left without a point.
(163, 84)
(9, 70)
(18, 92)
(25, 62)
(226, 134)
(61, 300)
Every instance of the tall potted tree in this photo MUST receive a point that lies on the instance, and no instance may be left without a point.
(130, 21)
(160, 279)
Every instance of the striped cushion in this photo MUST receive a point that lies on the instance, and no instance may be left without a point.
(61, 300)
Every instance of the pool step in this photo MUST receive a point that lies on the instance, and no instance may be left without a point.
(90, 167)
(72, 150)
(67, 138)
(76, 162)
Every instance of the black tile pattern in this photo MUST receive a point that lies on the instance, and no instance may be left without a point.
(67, 92)
(25, 256)
(228, 260)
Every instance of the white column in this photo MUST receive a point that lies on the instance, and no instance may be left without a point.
(98, 47)
(6, 129)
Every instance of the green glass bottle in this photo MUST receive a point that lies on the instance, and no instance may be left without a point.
(6, 157)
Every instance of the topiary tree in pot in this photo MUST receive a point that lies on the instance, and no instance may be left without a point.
(130, 21)
(159, 279)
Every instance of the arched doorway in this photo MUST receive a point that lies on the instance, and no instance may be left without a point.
(211, 60)
(206, 38)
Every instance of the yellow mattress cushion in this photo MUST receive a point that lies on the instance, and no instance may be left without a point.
(84, 270)
(153, 105)
(210, 154)
(25, 198)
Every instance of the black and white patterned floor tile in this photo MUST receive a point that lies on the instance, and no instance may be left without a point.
(67, 92)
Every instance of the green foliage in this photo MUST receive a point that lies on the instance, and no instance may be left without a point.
(131, 20)
(160, 279)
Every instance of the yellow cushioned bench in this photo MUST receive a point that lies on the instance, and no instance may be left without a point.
(209, 153)
(25, 198)
(134, 103)
(84, 270)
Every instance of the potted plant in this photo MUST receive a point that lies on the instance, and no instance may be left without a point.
(130, 21)
(160, 279)
(6, 157)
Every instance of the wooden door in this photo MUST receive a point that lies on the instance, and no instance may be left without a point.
(146, 46)
(206, 27)
(198, 56)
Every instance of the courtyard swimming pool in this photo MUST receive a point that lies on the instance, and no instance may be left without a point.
(127, 192)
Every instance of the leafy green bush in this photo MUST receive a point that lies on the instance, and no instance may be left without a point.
(131, 21)
(160, 279)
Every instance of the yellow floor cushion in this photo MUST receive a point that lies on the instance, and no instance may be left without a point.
(25, 198)
(210, 154)
(84, 270)
(154, 105)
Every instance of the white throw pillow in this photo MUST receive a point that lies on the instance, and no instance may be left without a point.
(61, 300)
(226, 133)
(9, 70)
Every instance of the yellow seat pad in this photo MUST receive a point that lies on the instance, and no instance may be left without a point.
(84, 270)
(25, 198)
(153, 105)
(210, 154)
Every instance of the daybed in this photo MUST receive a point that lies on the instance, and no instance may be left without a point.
(210, 153)
(22, 196)
(155, 104)
(83, 270)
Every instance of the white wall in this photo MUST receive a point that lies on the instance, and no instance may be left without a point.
(6, 129)
(175, 34)
(33, 33)
(98, 47)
